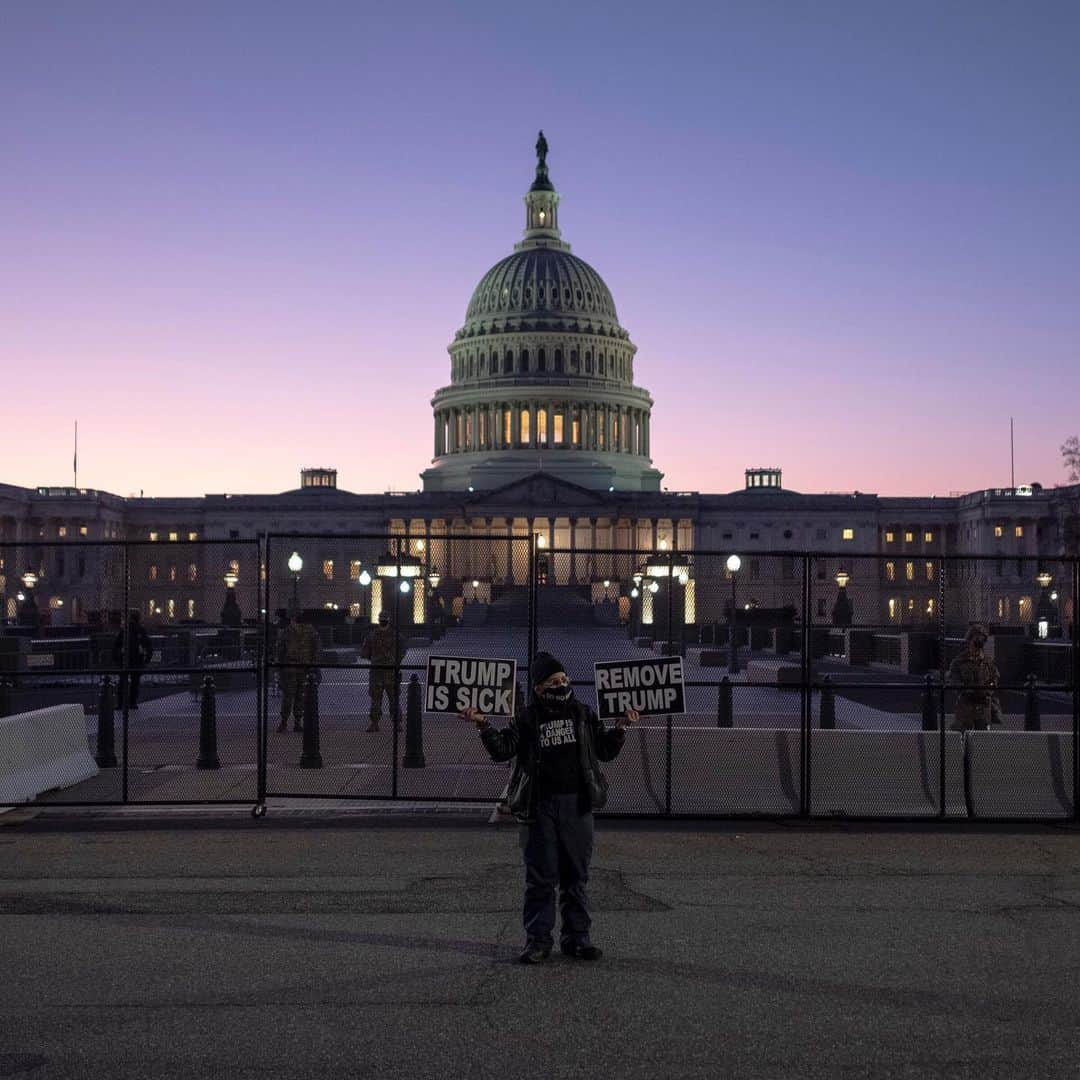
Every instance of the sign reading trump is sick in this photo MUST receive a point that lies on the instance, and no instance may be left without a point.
(457, 683)
(653, 687)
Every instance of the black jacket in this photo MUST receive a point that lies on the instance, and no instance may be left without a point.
(520, 740)
(139, 648)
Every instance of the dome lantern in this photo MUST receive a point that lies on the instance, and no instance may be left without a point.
(542, 207)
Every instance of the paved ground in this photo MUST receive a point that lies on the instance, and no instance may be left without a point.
(187, 946)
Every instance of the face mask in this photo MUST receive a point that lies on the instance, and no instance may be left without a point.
(556, 695)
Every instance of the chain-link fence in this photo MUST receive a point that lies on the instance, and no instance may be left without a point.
(814, 684)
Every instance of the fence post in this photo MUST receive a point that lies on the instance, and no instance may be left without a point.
(310, 757)
(208, 755)
(827, 709)
(106, 733)
(414, 726)
(929, 704)
(1032, 720)
(725, 711)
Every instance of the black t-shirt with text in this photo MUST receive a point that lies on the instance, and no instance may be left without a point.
(559, 769)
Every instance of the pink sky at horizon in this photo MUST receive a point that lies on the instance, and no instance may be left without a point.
(225, 269)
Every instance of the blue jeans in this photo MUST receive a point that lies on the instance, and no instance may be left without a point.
(557, 848)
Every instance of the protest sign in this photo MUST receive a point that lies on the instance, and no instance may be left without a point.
(653, 687)
(457, 683)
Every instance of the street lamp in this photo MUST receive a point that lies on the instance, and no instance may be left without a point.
(27, 613)
(842, 611)
(296, 564)
(230, 611)
(734, 565)
(1044, 615)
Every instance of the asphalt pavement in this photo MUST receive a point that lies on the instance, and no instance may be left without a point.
(190, 945)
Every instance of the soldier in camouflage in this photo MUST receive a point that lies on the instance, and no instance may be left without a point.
(976, 678)
(297, 643)
(383, 648)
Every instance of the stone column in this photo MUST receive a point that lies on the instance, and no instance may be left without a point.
(532, 425)
(515, 424)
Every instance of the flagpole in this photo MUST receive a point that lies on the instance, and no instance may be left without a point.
(75, 459)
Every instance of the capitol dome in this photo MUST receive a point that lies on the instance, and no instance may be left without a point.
(541, 372)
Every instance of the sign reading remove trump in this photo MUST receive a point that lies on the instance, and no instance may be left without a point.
(650, 686)
(457, 683)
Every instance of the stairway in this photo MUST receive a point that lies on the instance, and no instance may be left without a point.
(557, 605)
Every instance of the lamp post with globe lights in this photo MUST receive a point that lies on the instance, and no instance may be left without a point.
(295, 564)
(1044, 612)
(230, 612)
(27, 613)
(734, 565)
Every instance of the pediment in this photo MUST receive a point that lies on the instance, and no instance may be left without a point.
(541, 490)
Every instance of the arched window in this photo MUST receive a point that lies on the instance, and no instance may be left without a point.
(558, 360)
(541, 360)
(573, 360)
(523, 360)
(508, 362)
(588, 362)
(601, 363)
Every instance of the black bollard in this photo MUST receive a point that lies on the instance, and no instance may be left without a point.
(827, 711)
(106, 733)
(208, 756)
(311, 758)
(414, 726)
(725, 709)
(5, 696)
(929, 704)
(1032, 721)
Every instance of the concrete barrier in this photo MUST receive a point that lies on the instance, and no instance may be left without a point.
(1020, 773)
(43, 750)
(885, 773)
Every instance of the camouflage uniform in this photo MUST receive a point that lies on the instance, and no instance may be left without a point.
(976, 678)
(383, 648)
(298, 643)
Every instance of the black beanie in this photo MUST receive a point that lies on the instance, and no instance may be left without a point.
(544, 665)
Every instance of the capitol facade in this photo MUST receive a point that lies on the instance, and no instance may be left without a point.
(543, 432)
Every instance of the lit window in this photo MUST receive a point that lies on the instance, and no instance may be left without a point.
(929, 571)
(191, 609)
(150, 608)
(999, 530)
(55, 602)
(557, 426)
(328, 569)
(890, 571)
(911, 605)
(172, 573)
(171, 609)
(848, 534)
(928, 537)
(890, 537)
(1003, 607)
(192, 572)
(507, 427)
(541, 426)
(193, 536)
(1019, 530)
(909, 537)
(354, 610)
(153, 573)
(575, 432)
(892, 607)
(909, 571)
(524, 425)
(174, 536)
(83, 530)
(153, 536)
(930, 606)
(354, 569)
(234, 566)
(61, 530)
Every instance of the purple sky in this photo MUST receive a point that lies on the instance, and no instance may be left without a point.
(237, 238)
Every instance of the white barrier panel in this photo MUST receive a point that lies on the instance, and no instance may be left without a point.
(43, 750)
(1021, 773)
(885, 773)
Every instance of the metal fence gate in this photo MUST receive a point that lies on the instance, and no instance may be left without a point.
(817, 684)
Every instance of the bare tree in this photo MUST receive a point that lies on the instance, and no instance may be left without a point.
(1070, 457)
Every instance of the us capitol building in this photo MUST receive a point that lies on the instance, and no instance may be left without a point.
(541, 432)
